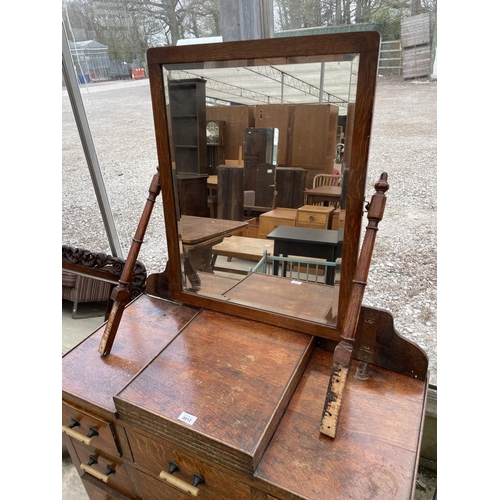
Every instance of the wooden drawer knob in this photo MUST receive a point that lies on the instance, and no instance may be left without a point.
(172, 467)
(197, 479)
(74, 423)
(92, 432)
(311, 218)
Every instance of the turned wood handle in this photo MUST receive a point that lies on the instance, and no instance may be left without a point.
(94, 472)
(179, 483)
(375, 214)
(76, 435)
(343, 351)
(121, 293)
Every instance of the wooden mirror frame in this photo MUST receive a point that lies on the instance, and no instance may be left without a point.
(366, 45)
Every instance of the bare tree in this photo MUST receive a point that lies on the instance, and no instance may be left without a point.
(181, 19)
(296, 14)
(127, 34)
(416, 7)
(365, 10)
(168, 13)
(129, 27)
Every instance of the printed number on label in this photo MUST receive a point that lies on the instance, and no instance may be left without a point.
(187, 418)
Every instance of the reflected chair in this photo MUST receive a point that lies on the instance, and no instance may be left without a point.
(327, 180)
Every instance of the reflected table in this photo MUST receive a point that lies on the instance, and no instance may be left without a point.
(200, 234)
(322, 194)
(308, 242)
(212, 185)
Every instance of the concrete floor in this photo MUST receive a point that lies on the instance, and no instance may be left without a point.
(73, 332)
(76, 330)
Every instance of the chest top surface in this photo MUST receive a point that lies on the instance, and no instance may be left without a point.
(147, 326)
(222, 384)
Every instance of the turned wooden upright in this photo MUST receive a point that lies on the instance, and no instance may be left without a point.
(121, 293)
(343, 351)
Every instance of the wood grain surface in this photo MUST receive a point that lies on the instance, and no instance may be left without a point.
(296, 298)
(202, 230)
(147, 326)
(234, 375)
(375, 452)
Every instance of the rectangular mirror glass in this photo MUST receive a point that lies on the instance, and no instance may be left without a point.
(282, 127)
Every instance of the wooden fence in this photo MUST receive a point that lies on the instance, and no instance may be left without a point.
(390, 58)
(416, 46)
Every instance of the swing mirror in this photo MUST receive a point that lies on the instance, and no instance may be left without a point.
(247, 126)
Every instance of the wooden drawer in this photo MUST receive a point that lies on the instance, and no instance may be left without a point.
(252, 231)
(89, 429)
(338, 220)
(156, 455)
(101, 492)
(269, 221)
(158, 489)
(316, 217)
(106, 469)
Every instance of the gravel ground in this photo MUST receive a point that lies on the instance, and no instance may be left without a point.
(403, 276)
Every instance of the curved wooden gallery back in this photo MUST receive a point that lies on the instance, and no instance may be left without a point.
(337, 71)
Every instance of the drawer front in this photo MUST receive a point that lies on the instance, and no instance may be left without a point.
(313, 218)
(107, 469)
(96, 492)
(338, 220)
(269, 224)
(89, 429)
(152, 488)
(251, 231)
(310, 225)
(157, 456)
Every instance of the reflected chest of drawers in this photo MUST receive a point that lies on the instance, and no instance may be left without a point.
(314, 216)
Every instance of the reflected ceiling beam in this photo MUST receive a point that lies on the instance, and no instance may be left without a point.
(227, 88)
(295, 83)
(217, 89)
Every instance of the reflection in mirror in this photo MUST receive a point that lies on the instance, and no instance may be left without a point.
(259, 162)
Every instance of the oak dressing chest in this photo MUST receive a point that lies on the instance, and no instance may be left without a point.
(219, 395)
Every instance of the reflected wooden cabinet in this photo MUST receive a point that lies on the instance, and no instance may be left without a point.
(188, 117)
(290, 185)
(193, 194)
(269, 221)
(307, 135)
(314, 216)
(306, 138)
(259, 166)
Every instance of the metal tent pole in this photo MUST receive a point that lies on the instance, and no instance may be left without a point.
(88, 147)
